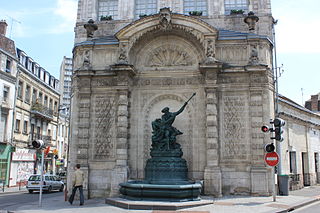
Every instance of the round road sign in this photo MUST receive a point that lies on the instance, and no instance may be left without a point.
(271, 158)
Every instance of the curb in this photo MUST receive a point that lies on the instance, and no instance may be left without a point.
(299, 205)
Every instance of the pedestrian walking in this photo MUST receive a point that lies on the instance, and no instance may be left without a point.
(77, 183)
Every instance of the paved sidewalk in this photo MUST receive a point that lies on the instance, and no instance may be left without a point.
(15, 189)
(239, 204)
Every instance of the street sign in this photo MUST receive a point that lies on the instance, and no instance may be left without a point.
(271, 158)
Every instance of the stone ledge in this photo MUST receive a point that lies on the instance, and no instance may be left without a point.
(155, 205)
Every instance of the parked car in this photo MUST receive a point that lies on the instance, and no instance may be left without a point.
(50, 182)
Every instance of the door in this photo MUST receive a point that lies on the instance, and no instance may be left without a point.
(305, 169)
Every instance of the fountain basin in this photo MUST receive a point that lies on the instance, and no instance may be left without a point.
(143, 190)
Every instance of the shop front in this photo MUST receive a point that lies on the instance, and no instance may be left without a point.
(4, 163)
(22, 166)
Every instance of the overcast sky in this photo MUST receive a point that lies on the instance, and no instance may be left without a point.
(44, 30)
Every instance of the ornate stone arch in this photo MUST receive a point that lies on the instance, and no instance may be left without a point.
(200, 33)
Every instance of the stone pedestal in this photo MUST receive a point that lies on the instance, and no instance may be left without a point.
(260, 181)
(212, 181)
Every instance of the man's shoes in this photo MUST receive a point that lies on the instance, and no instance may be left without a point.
(70, 202)
(81, 204)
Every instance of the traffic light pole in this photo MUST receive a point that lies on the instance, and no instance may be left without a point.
(41, 178)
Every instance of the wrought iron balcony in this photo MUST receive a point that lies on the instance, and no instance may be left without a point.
(38, 110)
(46, 138)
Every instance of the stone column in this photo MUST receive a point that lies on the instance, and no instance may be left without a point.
(120, 173)
(212, 173)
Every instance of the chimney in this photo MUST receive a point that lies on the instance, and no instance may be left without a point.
(314, 102)
(3, 27)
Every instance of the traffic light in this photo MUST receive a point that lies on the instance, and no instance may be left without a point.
(278, 124)
(265, 129)
(269, 147)
(38, 144)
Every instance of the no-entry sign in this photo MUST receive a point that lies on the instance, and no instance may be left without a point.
(271, 158)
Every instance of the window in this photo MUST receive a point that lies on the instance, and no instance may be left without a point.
(235, 5)
(27, 94)
(49, 132)
(34, 96)
(108, 8)
(6, 91)
(8, 66)
(316, 162)
(50, 104)
(146, 7)
(55, 107)
(40, 98)
(195, 5)
(17, 129)
(293, 162)
(25, 127)
(20, 87)
(45, 103)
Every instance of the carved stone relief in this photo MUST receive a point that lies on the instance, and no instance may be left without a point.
(123, 54)
(165, 18)
(86, 59)
(234, 131)
(104, 127)
(169, 55)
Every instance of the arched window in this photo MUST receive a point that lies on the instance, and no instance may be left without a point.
(145, 7)
(195, 5)
(108, 8)
(235, 5)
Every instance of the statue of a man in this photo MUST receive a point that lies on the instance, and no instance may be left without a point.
(163, 131)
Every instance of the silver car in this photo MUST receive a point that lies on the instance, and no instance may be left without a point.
(50, 182)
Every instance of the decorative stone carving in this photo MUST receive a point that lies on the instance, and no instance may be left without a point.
(210, 52)
(123, 55)
(90, 28)
(105, 108)
(254, 59)
(165, 18)
(234, 127)
(169, 55)
(251, 20)
(86, 59)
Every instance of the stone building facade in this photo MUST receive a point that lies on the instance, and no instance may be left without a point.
(127, 69)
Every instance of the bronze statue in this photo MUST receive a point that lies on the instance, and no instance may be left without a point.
(164, 134)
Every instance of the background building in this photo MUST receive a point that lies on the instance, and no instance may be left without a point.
(36, 117)
(140, 56)
(300, 149)
(313, 103)
(65, 84)
(8, 79)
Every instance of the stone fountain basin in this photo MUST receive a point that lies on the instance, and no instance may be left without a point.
(178, 191)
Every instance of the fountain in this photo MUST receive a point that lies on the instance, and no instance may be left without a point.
(166, 172)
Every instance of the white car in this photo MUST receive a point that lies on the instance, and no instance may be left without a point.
(50, 182)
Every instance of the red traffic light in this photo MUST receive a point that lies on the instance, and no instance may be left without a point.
(265, 129)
